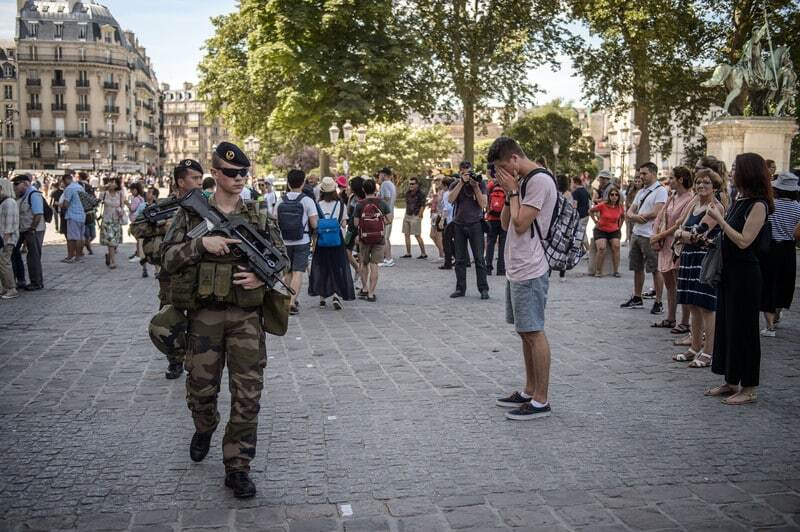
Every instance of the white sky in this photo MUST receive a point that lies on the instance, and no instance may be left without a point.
(173, 32)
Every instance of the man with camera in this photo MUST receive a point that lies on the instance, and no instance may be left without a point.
(468, 196)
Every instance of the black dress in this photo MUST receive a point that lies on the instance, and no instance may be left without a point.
(737, 342)
(330, 271)
(691, 291)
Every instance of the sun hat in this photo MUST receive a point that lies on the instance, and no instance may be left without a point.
(327, 185)
(786, 181)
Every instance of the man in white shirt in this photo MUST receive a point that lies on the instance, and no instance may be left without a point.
(297, 218)
(387, 193)
(642, 214)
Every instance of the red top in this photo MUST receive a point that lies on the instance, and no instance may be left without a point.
(609, 217)
(489, 215)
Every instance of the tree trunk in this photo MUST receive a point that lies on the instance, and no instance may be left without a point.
(324, 163)
(469, 129)
(641, 117)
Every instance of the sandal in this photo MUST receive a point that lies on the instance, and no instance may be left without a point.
(687, 356)
(720, 391)
(664, 324)
(681, 328)
(740, 399)
(703, 360)
(683, 342)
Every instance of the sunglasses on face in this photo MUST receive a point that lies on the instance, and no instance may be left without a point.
(234, 172)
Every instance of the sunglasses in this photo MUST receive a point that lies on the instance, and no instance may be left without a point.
(234, 172)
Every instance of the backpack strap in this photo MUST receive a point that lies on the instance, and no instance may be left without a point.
(535, 225)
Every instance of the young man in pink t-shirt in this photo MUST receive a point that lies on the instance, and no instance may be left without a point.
(527, 269)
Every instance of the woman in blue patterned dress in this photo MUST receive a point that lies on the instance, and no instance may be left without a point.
(697, 230)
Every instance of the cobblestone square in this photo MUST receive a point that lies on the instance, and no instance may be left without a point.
(382, 417)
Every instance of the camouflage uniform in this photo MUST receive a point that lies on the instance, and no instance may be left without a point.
(167, 329)
(224, 328)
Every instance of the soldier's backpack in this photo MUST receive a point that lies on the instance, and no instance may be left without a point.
(290, 218)
(329, 233)
(371, 224)
(563, 247)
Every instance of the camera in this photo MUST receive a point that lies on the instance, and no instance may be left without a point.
(475, 177)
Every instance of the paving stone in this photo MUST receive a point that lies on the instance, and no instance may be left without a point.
(758, 487)
(422, 523)
(567, 497)
(104, 521)
(459, 501)
(49, 523)
(720, 493)
(265, 515)
(203, 518)
(787, 503)
(313, 525)
(156, 527)
(307, 511)
(367, 524)
(410, 506)
(753, 514)
(151, 517)
(470, 516)
(643, 518)
(585, 514)
(529, 516)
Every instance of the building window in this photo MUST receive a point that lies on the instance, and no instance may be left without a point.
(83, 100)
(59, 33)
(83, 75)
(59, 100)
(33, 28)
(83, 54)
(82, 31)
(59, 53)
(9, 130)
(110, 100)
(8, 71)
(34, 53)
(8, 92)
(109, 124)
(37, 149)
(34, 98)
(108, 56)
(107, 36)
(83, 149)
(84, 125)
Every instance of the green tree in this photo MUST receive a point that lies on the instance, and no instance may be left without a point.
(407, 150)
(647, 54)
(482, 50)
(538, 130)
(283, 70)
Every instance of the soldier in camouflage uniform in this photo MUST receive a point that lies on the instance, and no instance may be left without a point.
(222, 299)
(168, 328)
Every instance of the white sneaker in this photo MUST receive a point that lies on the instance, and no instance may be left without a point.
(10, 294)
(440, 259)
(769, 333)
(388, 263)
(134, 259)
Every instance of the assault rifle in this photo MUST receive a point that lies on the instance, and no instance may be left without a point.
(159, 211)
(265, 260)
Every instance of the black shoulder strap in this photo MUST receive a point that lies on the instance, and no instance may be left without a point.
(525, 180)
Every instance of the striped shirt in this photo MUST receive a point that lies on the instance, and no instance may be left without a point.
(9, 221)
(784, 219)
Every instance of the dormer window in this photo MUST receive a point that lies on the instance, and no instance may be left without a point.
(82, 31)
(59, 31)
(33, 28)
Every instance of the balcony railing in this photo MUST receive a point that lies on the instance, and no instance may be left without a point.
(111, 109)
(33, 82)
(59, 107)
(76, 58)
(83, 108)
(111, 85)
(53, 134)
(59, 83)
(34, 107)
(82, 83)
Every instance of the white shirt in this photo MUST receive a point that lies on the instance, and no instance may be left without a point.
(309, 210)
(270, 203)
(245, 194)
(655, 193)
(332, 209)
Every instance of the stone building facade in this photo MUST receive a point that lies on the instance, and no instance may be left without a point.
(188, 131)
(9, 108)
(88, 94)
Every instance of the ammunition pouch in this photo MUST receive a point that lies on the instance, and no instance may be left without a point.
(211, 282)
(275, 312)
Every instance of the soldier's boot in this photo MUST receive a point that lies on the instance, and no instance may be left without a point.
(174, 370)
(201, 442)
(241, 484)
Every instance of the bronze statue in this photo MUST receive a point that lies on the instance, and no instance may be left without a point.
(766, 81)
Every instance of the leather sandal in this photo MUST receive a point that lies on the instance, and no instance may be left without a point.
(681, 328)
(687, 356)
(740, 399)
(703, 360)
(720, 391)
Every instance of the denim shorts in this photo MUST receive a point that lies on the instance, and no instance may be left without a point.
(75, 230)
(525, 303)
(298, 257)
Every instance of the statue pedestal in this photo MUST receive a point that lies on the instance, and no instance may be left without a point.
(767, 136)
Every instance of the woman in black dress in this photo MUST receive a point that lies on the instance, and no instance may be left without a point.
(737, 345)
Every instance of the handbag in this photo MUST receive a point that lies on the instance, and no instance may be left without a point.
(677, 249)
(711, 267)
(658, 245)
(275, 312)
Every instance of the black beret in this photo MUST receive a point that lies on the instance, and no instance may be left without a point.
(187, 163)
(231, 154)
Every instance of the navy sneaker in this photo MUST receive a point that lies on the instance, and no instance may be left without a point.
(515, 400)
(528, 411)
(634, 302)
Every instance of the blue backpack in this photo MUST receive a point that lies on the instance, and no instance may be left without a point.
(290, 218)
(329, 233)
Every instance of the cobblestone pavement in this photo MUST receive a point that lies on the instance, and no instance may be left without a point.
(382, 417)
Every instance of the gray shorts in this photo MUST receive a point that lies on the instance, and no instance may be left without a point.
(298, 257)
(641, 255)
(75, 230)
(525, 303)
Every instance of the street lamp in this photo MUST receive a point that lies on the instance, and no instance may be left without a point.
(361, 134)
(347, 130)
(63, 148)
(556, 149)
(252, 145)
(333, 131)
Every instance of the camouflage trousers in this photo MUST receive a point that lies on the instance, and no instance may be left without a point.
(233, 336)
(168, 333)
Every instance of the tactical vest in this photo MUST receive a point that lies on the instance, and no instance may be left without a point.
(211, 280)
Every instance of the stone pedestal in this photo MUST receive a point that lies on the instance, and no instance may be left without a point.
(608, 260)
(769, 137)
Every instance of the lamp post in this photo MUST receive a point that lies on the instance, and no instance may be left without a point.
(556, 149)
(614, 150)
(252, 145)
(63, 148)
(347, 131)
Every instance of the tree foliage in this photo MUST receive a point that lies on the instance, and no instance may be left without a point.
(483, 49)
(407, 150)
(283, 70)
(537, 132)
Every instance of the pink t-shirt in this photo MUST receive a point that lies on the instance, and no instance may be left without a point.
(525, 255)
